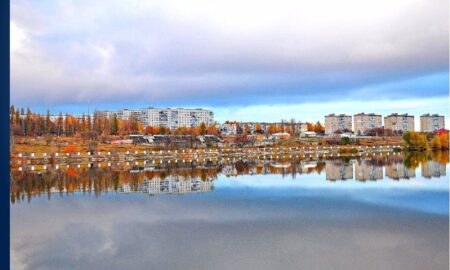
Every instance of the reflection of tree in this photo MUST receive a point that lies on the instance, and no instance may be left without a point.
(414, 159)
(440, 156)
(27, 184)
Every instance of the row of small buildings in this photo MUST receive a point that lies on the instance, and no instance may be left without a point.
(362, 122)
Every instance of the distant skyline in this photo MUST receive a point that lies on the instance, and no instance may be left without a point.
(245, 60)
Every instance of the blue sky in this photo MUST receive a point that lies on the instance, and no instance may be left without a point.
(248, 61)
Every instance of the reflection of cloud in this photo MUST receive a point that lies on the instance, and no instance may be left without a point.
(17, 262)
(224, 232)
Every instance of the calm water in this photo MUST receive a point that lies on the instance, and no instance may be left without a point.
(373, 213)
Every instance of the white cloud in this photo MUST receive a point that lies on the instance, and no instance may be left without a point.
(162, 51)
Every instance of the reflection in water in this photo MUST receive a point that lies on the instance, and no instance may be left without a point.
(250, 214)
(180, 179)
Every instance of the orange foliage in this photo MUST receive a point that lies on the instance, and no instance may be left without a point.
(70, 149)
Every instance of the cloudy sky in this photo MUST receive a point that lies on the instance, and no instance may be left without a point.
(246, 60)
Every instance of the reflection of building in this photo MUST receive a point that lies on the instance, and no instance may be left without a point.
(365, 170)
(366, 121)
(399, 122)
(430, 123)
(337, 122)
(229, 170)
(174, 185)
(433, 169)
(338, 170)
(125, 188)
(397, 170)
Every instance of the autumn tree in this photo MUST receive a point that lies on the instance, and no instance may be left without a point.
(202, 128)
(318, 128)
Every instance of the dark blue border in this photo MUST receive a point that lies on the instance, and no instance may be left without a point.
(4, 134)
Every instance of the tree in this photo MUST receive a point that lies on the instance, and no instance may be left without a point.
(310, 126)
(414, 140)
(115, 125)
(212, 130)
(271, 129)
(59, 124)
(151, 130)
(258, 128)
(318, 128)
(202, 128)
(345, 140)
(48, 123)
(436, 142)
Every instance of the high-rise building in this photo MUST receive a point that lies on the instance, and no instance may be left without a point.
(170, 118)
(431, 122)
(363, 122)
(337, 122)
(399, 122)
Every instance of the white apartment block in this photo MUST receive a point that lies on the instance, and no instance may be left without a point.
(337, 122)
(399, 122)
(170, 118)
(430, 123)
(366, 121)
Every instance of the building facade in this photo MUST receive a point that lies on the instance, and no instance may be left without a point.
(431, 122)
(363, 122)
(170, 118)
(337, 122)
(399, 122)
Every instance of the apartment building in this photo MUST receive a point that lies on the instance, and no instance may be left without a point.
(363, 122)
(170, 118)
(431, 122)
(399, 122)
(337, 122)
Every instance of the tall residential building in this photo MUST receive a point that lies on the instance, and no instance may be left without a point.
(337, 122)
(170, 118)
(430, 123)
(399, 122)
(366, 121)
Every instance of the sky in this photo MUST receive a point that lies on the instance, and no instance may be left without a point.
(246, 60)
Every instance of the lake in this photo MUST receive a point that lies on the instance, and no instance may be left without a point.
(388, 212)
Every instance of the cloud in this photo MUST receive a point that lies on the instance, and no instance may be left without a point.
(223, 53)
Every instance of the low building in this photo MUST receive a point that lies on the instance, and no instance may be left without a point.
(363, 122)
(228, 129)
(280, 136)
(337, 123)
(399, 122)
(431, 122)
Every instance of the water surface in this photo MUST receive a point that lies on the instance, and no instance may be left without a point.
(373, 213)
